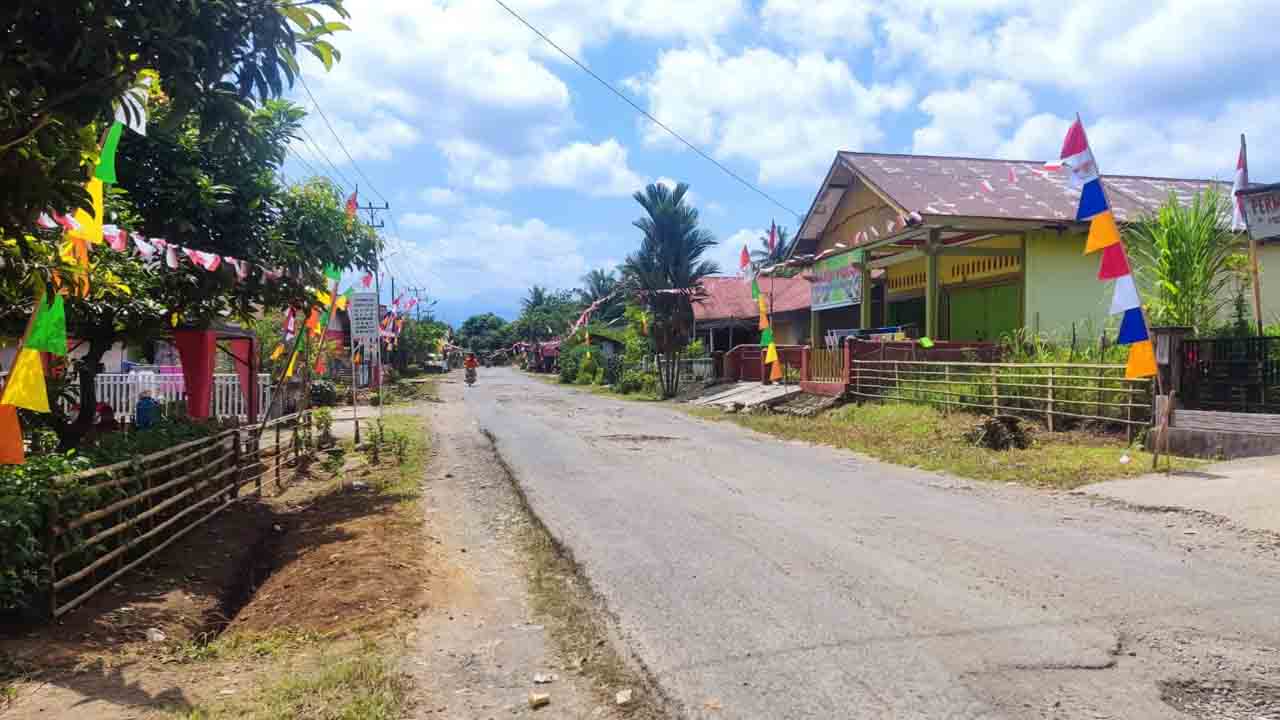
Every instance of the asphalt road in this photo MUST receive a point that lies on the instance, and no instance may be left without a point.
(762, 579)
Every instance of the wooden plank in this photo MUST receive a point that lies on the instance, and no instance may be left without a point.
(1209, 420)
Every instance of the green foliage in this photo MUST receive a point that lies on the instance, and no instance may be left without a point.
(323, 393)
(599, 284)
(26, 492)
(334, 460)
(611, 372)
(599, 378)
(1186, 258)
(544, 314)
(120, 446)
(485, 333)
(587, 367)
(764, 256)
(636, 381)
(696, 349)
(323, 419)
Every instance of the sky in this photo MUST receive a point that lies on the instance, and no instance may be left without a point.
(507, 166)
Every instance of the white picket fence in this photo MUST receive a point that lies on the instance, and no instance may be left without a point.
(122, 391)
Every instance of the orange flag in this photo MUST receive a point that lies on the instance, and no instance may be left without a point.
(11, 450)
(776, 372)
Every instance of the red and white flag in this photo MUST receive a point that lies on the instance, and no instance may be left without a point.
(1241, 182)
(352, 205)
(744, 260)
(367, 280)
(773, 236)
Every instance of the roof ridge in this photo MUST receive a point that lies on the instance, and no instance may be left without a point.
(1039, 163)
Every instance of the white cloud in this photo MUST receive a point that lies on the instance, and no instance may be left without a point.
(728, 254)
(484, 252)
(971, 121)
(825, 21)
(788, 115)
(440, 196)
(599, 170)
(420, 221)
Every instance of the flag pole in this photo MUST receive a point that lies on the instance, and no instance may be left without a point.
(1253, 243)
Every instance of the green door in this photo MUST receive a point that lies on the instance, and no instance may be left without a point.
(907, 312)
(984, 314)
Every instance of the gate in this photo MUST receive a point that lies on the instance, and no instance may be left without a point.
(1232, 374)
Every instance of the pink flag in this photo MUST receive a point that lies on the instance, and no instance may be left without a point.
(367, 280)
(67, 223)
(1013, 176)
(118, 239)
(46, 222)
(986, 185)
(145, 249)
(170, 255)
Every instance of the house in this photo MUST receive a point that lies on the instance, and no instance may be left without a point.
(967, 249)
(727, 316)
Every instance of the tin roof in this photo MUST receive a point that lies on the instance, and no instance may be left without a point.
(1007, 189)
(729, 298)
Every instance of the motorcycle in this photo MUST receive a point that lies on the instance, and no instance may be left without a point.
(471, 376)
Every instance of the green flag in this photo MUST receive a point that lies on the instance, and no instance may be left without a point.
(766, 336)
(106, 171)
(49, 329)
(332, 273)
(755, 289)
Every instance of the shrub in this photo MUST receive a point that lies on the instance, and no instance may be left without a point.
(599, 379)
(324, 392)
(118, 446)
(587, 367)
(613, 367)
(638, 381)
(323, 418)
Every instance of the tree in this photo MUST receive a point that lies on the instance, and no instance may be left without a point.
(599, 284)
(667, 271)
(765, 256)
(485, 333)
(545, 314)
(418, 339)
(1186, 259)
(67, 64)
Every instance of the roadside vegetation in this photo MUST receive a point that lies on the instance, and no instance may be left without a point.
(923, 437)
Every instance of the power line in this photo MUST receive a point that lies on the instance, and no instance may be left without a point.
(315, 147)
(644, 112)
(333, 132)
(297, 155)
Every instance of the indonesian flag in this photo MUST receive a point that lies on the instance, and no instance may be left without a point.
(773, 236)
(367, 280)
(352, 205)
(1077, 157)
(744, 260)
(1242, 181)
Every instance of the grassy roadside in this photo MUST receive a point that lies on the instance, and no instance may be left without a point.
(347, 669)
(923, 437)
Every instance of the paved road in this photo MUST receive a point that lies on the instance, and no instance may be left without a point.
(781, 580)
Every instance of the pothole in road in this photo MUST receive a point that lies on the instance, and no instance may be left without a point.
(1222, 700)
(638, 438)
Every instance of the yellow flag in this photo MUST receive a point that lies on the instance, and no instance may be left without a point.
(25, 388)
(1142, 360)
(90, 225)
(771, 355)
(293, 360)
(342, 302)
(1102, 232)
(323, 297)
(275, 354)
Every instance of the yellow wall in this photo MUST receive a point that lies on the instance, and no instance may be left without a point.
(859, 210)
(1062, 287)
(1269, 280)
(908, 277)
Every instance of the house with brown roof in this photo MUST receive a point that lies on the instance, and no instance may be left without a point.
(726, 316)
(967, 249)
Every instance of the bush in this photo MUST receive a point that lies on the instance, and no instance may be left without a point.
(568, 368)
(323, 418)
(323, 392)
(118, 446)
(25, 495)
(599, 379)
(638, 381)
(613, 367)
(586, 369)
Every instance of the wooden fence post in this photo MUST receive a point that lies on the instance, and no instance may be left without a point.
(278, 455)
(236, 458)
(946, 388)
(897, 381)
(51, 551)
(1050, 406)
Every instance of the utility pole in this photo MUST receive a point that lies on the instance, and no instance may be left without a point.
(418, 294)
(377, 224)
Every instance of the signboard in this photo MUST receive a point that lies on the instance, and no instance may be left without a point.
(363, 312)
(1262, 211)
(836, 282)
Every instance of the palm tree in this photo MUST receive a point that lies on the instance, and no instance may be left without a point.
(667, 271)
(781, 249)
(536, 299)
(599, 284)
(1188, 261)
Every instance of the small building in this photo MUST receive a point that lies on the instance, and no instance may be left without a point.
(967, 249)
(727, 316)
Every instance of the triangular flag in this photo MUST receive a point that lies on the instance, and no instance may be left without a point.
(771, 354)
(1092, 200)
(11, 450)
(293, 361)
(766, 337)
(776, 372)
(1133, 327)
(343, 299)
(118, 239)
(132, 109)
(1075, 142)
(106, 170)
(25, 387)
(46, 222)
(1102, 232)
(1114, 263)
(744, 259)
(49, 328)
(90, 226)
(755, 289)
(1125, 295)
(171, 256)
(367, 280)
(323, 297)
(145, 249)
(332, 273)
(1142, 360)
(275, 354)
(352, 205)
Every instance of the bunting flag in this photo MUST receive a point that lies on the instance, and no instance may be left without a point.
(352, 205)
(1104, 235)
(1013, 175)
(145, 249)
(12, 451)
(275, 354)
(755, 289)
(332, 273)
(48, 331)
(25, 387)
(1142, 360)
(323, 297)
(293, 361)
(986, 185)
(766, 337)
(116, 238)
(131, 111)
(367, 280)
(313, 321)
(1114, 263)
(771, 354)
(290, 326)
(344, 298)
(46, 222)
(171, 256)
(106, 169)
(776, 372)
(89, 226)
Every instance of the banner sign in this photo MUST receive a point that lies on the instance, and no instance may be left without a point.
(1262, 211)
(836, 282)
(363, 310)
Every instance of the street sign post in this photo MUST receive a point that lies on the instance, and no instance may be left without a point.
(362, 314)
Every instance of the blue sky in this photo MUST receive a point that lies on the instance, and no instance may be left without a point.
(507, 166)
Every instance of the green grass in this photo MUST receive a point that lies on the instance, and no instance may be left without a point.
(923, 437)
(236, 646)
(360, 684)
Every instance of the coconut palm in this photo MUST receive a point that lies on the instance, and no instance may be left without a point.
(765, 256)
(599, 284)
(1188, 261)
(667, 271)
